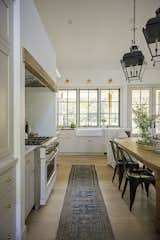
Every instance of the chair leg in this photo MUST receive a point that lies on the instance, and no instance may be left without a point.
(125, 186)
(120, 174)
(133, 188)
(115, 170)
(146, 184)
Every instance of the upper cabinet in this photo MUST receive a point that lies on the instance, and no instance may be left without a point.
(6, 79)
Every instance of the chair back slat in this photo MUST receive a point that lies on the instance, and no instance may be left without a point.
(114, 147)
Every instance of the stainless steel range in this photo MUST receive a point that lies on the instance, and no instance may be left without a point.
(45, 166)
(48, 158)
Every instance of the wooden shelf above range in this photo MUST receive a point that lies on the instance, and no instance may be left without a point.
(35, 68)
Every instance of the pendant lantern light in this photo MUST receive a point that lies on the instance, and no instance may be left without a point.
(133, 62)
(152, 35)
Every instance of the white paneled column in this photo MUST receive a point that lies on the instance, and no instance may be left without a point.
(19, 123)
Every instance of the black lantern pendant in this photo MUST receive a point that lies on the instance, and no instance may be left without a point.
(133, 62)
(152, 36)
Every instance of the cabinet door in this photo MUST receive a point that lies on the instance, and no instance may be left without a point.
(31, 184)
(6, 80)
(4, 22)
(27, 187)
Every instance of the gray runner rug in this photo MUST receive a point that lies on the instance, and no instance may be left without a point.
(84, 215)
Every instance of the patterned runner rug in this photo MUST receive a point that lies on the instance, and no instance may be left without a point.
(84, 215)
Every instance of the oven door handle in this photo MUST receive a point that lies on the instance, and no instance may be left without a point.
(51, 158)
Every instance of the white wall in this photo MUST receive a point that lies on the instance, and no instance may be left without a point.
(35, 39)
(41, 110)
(100, 77)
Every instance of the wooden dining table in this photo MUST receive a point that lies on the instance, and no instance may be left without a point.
(150, 159)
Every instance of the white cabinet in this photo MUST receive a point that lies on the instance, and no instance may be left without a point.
(29, 183)
(70, 143)
(7, 170)
(8, 204)
(6, 79)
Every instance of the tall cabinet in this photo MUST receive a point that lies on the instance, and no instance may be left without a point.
(7, 162)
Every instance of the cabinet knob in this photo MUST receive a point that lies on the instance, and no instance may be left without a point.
(8, 206)
(8, 180)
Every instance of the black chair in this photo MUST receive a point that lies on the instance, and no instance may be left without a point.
(135, 177)
(121, 163)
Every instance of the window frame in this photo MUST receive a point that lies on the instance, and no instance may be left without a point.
(58, 114)
(88, 113)
(120, 90)
(100, 113)
(152, 100)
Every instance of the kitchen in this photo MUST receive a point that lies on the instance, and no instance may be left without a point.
(51, 122)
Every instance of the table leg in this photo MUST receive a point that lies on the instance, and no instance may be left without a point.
(157, 176)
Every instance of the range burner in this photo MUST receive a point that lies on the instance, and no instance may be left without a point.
(36, 140)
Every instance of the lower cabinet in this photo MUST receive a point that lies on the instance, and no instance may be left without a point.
(8, 204)
(29, 183)
(70, 143)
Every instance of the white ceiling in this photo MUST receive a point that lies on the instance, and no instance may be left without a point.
(94, 34)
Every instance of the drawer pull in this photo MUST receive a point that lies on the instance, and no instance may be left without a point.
(8, 180)
(8, 206)
(9, 237)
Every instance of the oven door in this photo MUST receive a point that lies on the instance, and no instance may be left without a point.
(50, 167)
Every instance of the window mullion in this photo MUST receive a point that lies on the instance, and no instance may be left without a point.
(78, 107)
(88, 108)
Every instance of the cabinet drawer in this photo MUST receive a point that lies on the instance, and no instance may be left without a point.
(8, 211)
(7, 182)
(7, 200)
(8, 223)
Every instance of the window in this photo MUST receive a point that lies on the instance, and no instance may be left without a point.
(139, 97)
(151, 98)
(158, 110)
(88, 108)
(67, 107)
(110, 107)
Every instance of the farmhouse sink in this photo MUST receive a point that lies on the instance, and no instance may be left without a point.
(89, 132)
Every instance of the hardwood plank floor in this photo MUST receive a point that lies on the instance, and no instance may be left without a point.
(138, 224)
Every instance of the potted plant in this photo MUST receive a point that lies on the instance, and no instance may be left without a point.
(103, 120)
(144, 123)
(73, 125)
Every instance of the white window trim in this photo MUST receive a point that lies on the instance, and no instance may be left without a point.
(152, 103)
(98, 106)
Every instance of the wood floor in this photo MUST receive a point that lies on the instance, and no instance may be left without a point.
(135, 225)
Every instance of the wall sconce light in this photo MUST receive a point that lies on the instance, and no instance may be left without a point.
(67, 81)
(88, 81)
(110, 80)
